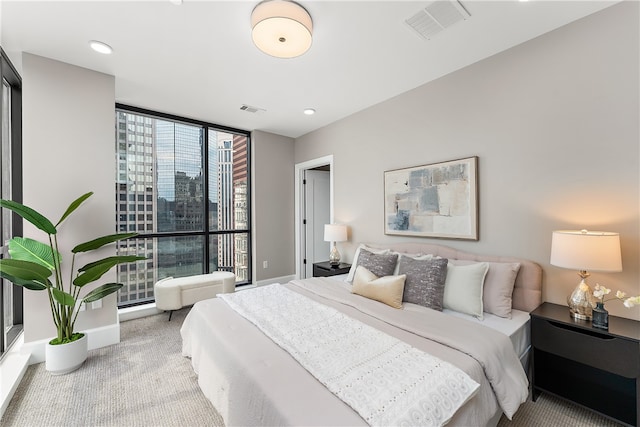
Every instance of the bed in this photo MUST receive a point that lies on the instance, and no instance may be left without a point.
(251, 380)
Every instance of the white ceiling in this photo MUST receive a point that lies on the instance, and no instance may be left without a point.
(197, 60)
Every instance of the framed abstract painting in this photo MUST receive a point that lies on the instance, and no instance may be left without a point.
(435, 200)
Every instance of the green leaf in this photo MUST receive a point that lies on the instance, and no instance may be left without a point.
(112, 260)
(63, 297)
(95, 270)
(101, 292)
(101, 241)
(31, 250)
(26, 270)
(35, 218)
(74, 205)
(27, 283)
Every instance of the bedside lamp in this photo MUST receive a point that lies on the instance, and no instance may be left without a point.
(585, 250)
(335, 233)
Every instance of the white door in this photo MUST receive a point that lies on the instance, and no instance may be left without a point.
(316, 215)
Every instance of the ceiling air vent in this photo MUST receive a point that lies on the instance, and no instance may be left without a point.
(437, 16)
(250, 109)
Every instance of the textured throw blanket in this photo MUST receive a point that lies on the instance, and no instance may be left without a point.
(491, 349)
(385, 380)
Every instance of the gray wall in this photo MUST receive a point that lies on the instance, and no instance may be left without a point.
(273, 205)
(555, 124)
(68, 149)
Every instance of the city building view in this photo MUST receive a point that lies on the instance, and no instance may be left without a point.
(190, 219)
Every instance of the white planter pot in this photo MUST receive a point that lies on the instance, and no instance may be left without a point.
(64, 358)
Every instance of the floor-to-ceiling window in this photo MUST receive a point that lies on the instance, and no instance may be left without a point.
(183, 186)
(11, 188)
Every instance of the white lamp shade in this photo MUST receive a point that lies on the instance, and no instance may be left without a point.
(335, 233)
(281, 28)
(586, 250)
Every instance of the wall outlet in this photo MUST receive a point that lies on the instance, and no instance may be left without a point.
(96, 304)
(265, 264)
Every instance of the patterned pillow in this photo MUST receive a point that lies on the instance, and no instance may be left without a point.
(354, 263)
(425, 281)
(379, 264)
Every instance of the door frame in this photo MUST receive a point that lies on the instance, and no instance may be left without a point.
(299, 191)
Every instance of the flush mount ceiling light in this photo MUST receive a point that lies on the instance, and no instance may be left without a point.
(100, 47)
(309, 111)
(281, 28)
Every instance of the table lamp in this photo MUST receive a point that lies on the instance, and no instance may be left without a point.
(585, 251)
(335, 233)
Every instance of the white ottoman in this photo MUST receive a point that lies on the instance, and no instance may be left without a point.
(173, 294)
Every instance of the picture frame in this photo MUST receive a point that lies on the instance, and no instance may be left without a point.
(435, 200)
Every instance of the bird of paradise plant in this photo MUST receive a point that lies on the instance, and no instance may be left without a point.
(32, 264)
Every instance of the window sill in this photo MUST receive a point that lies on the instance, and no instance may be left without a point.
(137, 312)
(12, 368)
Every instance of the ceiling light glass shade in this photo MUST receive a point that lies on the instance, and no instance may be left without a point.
(281, 28)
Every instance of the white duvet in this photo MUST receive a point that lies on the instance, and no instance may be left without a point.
(252, 381)
(385, 380)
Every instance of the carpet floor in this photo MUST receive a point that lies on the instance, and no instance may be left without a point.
(145, 381)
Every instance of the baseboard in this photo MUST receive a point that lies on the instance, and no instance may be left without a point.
(283, 279)
(98, 338)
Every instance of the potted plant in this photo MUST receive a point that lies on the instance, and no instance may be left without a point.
(32, 265)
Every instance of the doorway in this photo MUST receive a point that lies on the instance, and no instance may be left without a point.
(314, 208)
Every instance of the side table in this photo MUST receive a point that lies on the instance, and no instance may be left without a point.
(597, 369)
(324, 269)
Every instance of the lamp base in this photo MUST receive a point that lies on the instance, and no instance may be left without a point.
(580, 316)
(581, 302)
(334, 256)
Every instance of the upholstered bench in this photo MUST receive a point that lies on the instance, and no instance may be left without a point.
(173, 294)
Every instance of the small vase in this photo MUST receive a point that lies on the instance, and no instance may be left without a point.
(600, 316)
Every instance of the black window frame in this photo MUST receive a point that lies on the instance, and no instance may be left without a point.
(206, 233)
(11, 75)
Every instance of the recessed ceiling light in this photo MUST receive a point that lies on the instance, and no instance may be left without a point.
(309, 111)
(100, 47)
(176, 2)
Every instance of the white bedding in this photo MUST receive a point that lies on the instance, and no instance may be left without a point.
(517, 328)
(385, 380)
(252, 381)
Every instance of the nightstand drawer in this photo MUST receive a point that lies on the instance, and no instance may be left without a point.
(588, 347)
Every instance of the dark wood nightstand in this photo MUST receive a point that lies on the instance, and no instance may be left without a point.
(324, 269)
(595, 368)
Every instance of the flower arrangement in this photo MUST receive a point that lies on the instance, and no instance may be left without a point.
(600, 292)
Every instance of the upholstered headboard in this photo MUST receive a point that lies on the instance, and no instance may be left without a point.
(527, 292)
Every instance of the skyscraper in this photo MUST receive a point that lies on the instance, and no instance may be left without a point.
(160, 191)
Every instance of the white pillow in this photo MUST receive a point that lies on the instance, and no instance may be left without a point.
(498, 286)
(354, 263)
(463, 288)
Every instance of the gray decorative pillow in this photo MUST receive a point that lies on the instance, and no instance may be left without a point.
(425, 281)
(379, 264)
